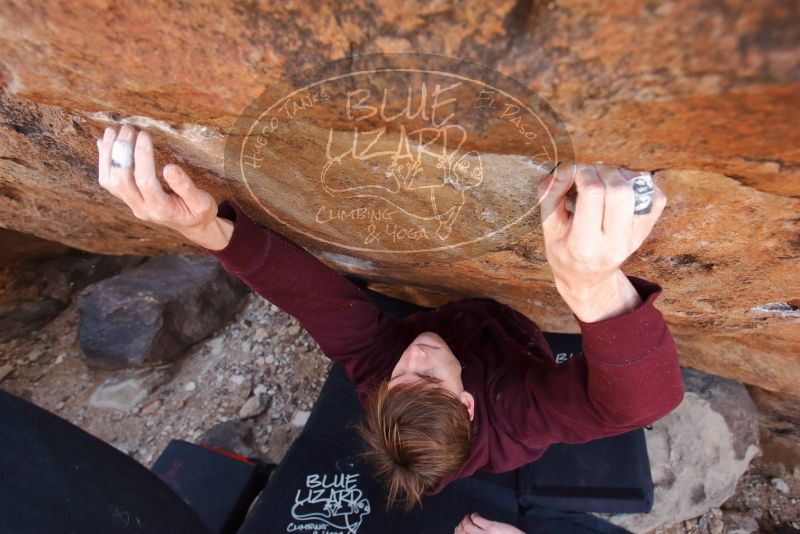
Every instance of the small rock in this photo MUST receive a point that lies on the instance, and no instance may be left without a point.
(736, 523)
(5, 370)
(116, 394)
(34, 355)
(254, 406)
(293, 330)
(128, 448)
(715, 525)
(191, 385)
(780, 485)
(247, 346)
(260, 334)
(232, 436)
(216, 346)
(60, 358)
(237, 379)
(300, 418)
(150, 407)
(260, 389)
(260, 361)
(270, 359)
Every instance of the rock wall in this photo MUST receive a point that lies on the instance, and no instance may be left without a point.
(703, 93)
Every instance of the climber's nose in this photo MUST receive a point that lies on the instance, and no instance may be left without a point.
(417, 357)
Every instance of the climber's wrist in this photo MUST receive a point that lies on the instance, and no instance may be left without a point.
(215, 236)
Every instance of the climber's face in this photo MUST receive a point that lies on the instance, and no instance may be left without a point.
(429, 357)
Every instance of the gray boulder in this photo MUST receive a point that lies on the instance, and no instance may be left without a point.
(152, 313)
(36, 290)
(698, 451)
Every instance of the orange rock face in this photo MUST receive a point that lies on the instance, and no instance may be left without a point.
(706, 95)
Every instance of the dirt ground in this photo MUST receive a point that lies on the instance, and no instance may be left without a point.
(265, 351)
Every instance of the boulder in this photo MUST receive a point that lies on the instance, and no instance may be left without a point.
(698, 451)
(41, 281)
(702, 93)
(152, 313)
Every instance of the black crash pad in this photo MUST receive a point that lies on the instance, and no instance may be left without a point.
(323, 485)
(54, 477)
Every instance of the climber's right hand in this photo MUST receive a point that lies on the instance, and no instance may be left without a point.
(187, 209)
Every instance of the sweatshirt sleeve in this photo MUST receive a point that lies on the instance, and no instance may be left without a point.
(349, 328)
(627, 377)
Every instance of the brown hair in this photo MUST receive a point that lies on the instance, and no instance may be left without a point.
(416, 434)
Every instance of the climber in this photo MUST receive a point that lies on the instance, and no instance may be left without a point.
(472, 384)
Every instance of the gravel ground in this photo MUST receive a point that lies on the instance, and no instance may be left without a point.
(264, 352)
(767, 500)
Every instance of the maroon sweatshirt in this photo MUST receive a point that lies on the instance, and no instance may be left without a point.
(628, 375)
